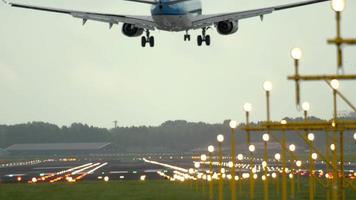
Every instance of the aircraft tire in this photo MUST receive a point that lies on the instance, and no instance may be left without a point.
(152, 41)
(143, 41)
(200, 40)
(207, 40)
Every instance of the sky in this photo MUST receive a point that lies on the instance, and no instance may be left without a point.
(53, 69)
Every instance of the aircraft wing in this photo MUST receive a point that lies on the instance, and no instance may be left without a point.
(208, 20)
(145, 22)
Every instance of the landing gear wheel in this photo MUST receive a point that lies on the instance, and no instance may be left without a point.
(186, 37)
(152, 41)
(207, 40)
(143, 41)
(200, 40)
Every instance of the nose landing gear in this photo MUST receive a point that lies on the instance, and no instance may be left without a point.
(147, 39)
(186, 36)
(203, 38)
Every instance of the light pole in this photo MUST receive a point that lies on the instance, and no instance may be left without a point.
(233, 125)
(240, 157)
(265, 138)
(248, 109)
(296, 54)
(203, 160)
(314, 157)
(338, 6)
(311, 138)
(292, 185)
(267, 86)
(335, 86)
(211, 182)
(220, 139)
(277, 156)
(252, 148)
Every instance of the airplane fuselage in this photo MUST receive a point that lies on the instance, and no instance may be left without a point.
(176, 17)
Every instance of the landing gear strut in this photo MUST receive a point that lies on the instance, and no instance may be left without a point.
(147, 39)
(186, 36)
(203, 38)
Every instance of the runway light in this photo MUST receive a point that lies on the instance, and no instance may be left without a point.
(143, 177)
(211, 148)
(267, 86)
(197, 165)
(274, 175)
(311, 137)
(220, 138)
(335, 84)
(354, 136)
(237, 178)
(332, 147)
(34, 180)
(233, 124)
(247, 107)
(255, 176)
(191, 171)
(298, 163)
(203, 157)
(277, 156)
(314, 156)
(230, 164)
(290, 176)
(240, 157)
(19, 178)
(306, 106)
(265, 137)
(338, 5)
(283, 121)
(292, 147)
(251, 148)
(264, 164)
(296, 53)
(263, 177)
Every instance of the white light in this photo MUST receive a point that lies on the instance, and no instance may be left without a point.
(197, 165)
(277, 156)
(230, 164)
(220, 138)
(335, 84)
(203, 157)
(233, 124)
(264, 164)
(292, 147)
(255, 176)
(254, 170)
(298, 163)
(34, 180)
(229, 176)
(311, 137)
(274, 175)
(223, 170)
(251, 148)
(236, 178)
(211, 148)
(267, 86)
(191, 171)
(296, 53)
(332, 147)
(263, 177)
(106, 178)
(314, 156)
(143, 177)
(240, 156)
(247, 107)
(265, 137)
(354, 136)
(283, 121)
(306, 106)
(338, 5)
(290, 176)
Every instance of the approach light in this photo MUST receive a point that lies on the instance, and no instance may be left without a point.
(292, 147)
(251, 148)
(338, 5)
(233, 124)
(277, 156)
(298, 163)
(311, 137)
(240, 157)
(306, 106)
(211, 148)
(267, 86)
(265, 137)
(314, 156)
(203, 157)
(296, 53)
(247, 107)
(335, 84)
(220, 138)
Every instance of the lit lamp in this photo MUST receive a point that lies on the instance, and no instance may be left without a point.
(220, 139)
(296, 54)
(233, 125)
(211, 184)
(265, 138)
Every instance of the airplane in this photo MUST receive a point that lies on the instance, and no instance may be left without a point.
(173, 16)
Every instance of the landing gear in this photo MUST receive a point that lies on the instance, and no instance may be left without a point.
(203, 38)
(186, 36)
(147, 39)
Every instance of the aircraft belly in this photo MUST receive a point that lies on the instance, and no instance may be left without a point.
(173, 22)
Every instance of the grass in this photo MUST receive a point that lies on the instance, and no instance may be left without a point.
(135, 190)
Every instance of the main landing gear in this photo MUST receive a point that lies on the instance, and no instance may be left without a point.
(203, 38)
(147, 39)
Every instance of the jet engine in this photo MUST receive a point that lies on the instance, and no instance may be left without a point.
(227, 27)
(131, 30)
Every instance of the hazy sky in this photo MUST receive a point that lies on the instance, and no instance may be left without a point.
(53, 69)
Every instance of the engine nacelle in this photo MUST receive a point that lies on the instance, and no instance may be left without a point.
(131, 30)
(227, 27)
